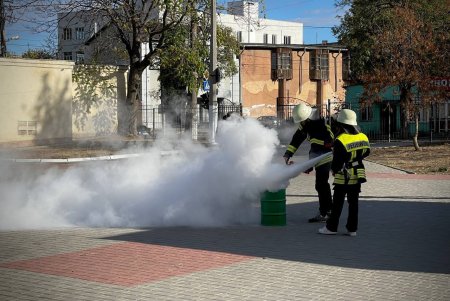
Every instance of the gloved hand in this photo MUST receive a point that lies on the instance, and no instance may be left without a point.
(309, 170)
(328, 145)
(287, 159)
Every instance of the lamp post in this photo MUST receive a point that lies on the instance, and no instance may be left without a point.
(3, 44)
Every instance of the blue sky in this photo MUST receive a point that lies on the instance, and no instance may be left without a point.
(317, 16)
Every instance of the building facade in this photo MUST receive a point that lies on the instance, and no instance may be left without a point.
(274, 77)
(275, 67)
(381, 120)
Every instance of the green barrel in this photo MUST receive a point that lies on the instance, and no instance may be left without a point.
(273, 208)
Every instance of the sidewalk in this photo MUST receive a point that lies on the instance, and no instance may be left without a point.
(401, 253)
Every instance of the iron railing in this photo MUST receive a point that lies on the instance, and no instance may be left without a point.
(156, 120)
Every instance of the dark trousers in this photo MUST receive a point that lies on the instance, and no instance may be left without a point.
(340, 191)
(323, 188)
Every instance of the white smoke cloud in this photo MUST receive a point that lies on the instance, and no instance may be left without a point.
(194, 186)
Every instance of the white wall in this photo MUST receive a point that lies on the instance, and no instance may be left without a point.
(35, 100)
(245, 18)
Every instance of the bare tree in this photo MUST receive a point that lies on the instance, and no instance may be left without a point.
(131, 23)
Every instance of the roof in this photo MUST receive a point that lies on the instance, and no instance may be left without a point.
(329, 46)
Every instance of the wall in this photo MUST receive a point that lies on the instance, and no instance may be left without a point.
(260, 92)
(97, 92)
(35, 100)
(382, 123)
(51, 101)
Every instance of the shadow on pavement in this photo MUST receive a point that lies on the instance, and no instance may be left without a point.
(393, 235)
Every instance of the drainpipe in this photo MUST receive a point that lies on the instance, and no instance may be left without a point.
(335, 69)
(300, 70)
(240, 75)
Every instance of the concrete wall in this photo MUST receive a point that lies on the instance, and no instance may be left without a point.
(47, 101)
(35, 100)
(97, 92)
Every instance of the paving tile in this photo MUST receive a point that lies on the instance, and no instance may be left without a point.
(127, 264)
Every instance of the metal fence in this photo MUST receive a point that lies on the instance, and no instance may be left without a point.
(156, 120)
(284, 111)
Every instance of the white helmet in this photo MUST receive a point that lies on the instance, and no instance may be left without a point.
(301, 112)
(347, 116)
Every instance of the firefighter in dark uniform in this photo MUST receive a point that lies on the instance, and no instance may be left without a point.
(314, 128)
(350, 148)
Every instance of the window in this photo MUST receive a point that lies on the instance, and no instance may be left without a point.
(281, 64)
(265, 38)
(79, 57)
(319, 64)
(27, 128)
(67, 34)
(68, 56)
(239, 36)
(287, 40)
(424, 115)
(274, 39)
(366, 113)
(79, 33)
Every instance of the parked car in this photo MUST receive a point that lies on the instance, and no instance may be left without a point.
(269, 121)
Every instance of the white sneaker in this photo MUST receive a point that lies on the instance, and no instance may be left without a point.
(351, 233)
(325, 231)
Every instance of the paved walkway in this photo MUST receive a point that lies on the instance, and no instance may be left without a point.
(402, 252)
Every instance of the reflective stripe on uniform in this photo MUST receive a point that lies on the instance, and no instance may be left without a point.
(316, 141)
(330, 131)
(291, 149)
(352, 144)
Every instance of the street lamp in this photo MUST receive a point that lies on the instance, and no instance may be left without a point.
(3, 44)
(13, 38)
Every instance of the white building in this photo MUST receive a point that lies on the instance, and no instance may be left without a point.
(243, 17)
(76, 31)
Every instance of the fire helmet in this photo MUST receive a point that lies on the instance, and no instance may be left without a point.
(301, 112)
(347, 116)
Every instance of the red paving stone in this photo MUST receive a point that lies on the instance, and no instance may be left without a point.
(127, 264)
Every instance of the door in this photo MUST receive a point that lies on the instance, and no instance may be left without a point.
(387, 119)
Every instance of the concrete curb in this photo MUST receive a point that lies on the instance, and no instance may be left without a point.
(404, 170)
(87, 159)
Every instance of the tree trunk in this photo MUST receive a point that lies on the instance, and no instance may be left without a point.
(416, 133)
(404, 103)
(2, 30)
(128, 117)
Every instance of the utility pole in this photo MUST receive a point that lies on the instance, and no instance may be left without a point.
(194, 115)
(212, 76)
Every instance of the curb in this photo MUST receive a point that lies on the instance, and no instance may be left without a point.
(86, 159)
(396, 168)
